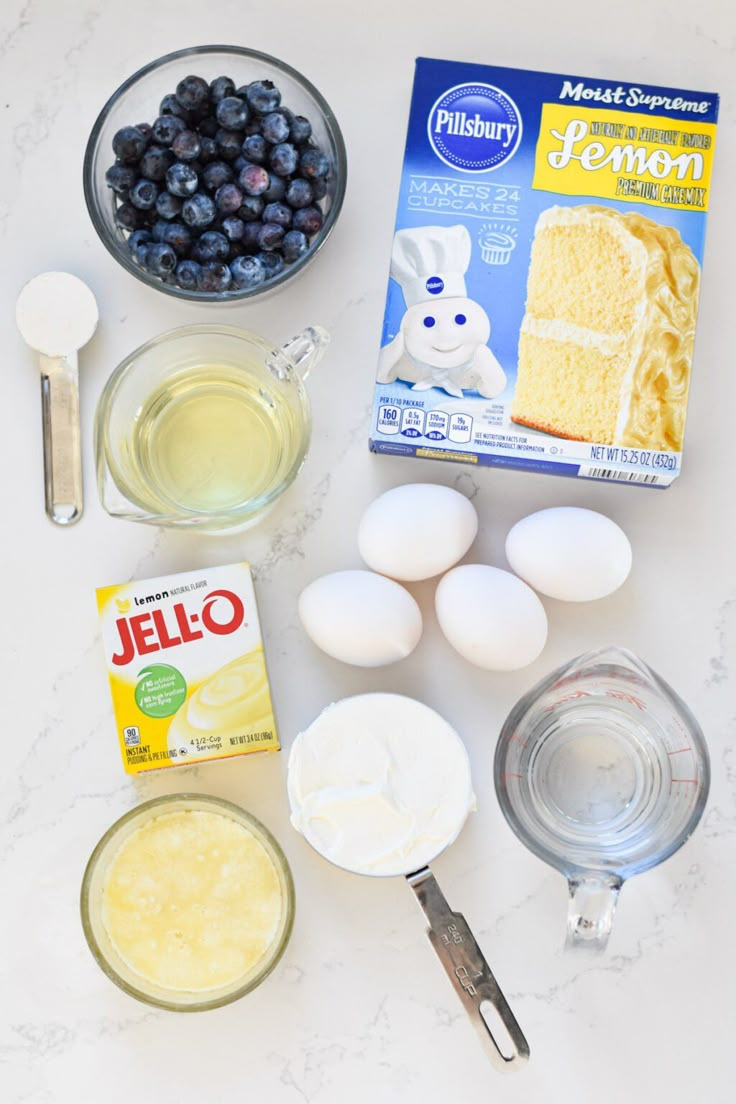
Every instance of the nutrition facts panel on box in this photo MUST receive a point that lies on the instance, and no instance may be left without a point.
(433, 425)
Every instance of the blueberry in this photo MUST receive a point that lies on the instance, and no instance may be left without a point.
(319, 188)
(208, 150)
(129, 144)
(146, 130)
(251, 208)
(192, 93)
(167, 205)
(254, 180)
(175, 234)
(314, 164)
(294, 245)
(247, 272)
(299, 193)
(249, 241)
(232, 113)
(187, 274)
(186, 145)
(156, 162)
(214, 277)
(216, 174)
(272, 262)
(308, 219)
(139, 238)
(143, 194)
(233, 228)
(221, 87)
(275, 127)
(276, 189)
(128, 216)
(199, 210)
(181, 180)
(278, 213)
(160, 258)
(120, 178)
(240, 163)
(255, 148)
(159, 229)
(270, 236)
(300, 129)
(166, 128)
(263, 96)
(284, 159)
(171, 106)
(228, 143)
(211, 246)
(228, 199)
(253, 126)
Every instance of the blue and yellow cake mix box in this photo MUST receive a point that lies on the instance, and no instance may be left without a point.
(545, 272)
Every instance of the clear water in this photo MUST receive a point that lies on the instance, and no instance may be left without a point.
(211, 440)
(599, 785)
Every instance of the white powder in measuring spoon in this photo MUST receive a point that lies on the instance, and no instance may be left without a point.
(56, 313)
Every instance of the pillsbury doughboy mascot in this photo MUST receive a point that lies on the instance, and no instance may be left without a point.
(443, 337)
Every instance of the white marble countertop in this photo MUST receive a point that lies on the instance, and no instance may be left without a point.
(359, 1009)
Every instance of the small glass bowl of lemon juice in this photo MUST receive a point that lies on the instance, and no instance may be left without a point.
(187, 902)
(205, 426)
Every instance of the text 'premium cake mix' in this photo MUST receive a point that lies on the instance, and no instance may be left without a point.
(186, 666)
(545, 273)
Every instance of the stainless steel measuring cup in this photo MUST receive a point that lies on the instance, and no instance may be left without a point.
(345, 788)
(603, 772)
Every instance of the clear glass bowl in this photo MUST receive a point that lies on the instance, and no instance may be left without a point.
(105, 953)
(137, 101)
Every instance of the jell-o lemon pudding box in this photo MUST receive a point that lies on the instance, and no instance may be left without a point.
(544, 275)
(187, 670)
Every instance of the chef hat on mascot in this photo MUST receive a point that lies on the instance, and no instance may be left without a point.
(430, 262)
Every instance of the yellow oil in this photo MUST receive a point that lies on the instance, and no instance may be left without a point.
(212, 439)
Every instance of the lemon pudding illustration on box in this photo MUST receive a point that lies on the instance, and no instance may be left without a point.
(607, 338)
(187, 669)
(443, 338)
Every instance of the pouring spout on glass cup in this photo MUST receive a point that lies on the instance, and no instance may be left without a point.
(205, 427)
(602, 771)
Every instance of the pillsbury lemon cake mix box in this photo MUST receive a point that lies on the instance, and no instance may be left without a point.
(545, 272)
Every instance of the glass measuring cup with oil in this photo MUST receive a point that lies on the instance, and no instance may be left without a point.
(204, 426)
(603, 772)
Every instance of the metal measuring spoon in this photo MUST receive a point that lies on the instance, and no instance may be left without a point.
(57, 315)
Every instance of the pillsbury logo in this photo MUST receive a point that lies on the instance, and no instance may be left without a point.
(435, 285)
(474, 127)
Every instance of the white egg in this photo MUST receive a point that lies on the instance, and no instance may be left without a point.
(569, 553)
(417, 531)
(360, 618)
(490, 617)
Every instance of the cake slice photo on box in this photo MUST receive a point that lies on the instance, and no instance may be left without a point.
(443, 338)
(607, 338)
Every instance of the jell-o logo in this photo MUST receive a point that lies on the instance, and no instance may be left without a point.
(157, 629)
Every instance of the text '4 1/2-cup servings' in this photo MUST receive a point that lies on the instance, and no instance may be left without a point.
(545, 273)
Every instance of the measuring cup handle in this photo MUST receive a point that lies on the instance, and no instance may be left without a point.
(590, 910)
(470, 974)
(61, 439)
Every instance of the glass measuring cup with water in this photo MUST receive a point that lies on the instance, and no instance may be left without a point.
(205, 426)
(603, 772)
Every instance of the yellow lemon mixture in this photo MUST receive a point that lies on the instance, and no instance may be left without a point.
(192, 901)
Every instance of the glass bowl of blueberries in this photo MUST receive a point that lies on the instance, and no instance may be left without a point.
(215, 173)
